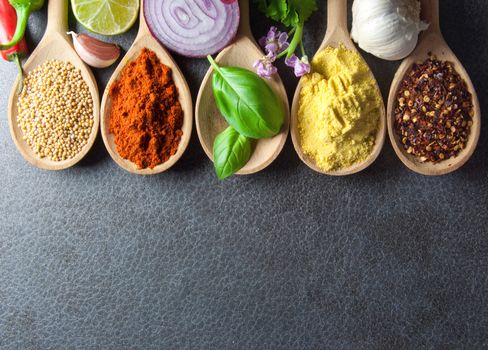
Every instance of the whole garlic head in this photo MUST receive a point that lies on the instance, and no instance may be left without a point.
(388, 29)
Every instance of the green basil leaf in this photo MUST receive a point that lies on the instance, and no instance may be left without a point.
(231, 151)
(247, 103)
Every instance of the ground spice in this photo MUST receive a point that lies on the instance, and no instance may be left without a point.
(339, 109)
(146, 116)
(434, 110)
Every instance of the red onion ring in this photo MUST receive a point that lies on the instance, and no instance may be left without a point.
(193, 28)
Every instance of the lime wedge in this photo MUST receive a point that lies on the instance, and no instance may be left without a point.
(107, 17)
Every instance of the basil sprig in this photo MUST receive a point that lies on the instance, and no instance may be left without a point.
(252, 110)
(247, 103)
(231, 152)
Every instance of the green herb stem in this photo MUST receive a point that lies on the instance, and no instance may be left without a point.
(297, 40)
(16, 58)
(214, 64)
(283, 53)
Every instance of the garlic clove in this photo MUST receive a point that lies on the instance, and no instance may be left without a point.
(94, 52)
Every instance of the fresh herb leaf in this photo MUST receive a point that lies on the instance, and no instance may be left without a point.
(288, 12)
(247, 103)
(231, 151)
(303, 9)
(277, 10)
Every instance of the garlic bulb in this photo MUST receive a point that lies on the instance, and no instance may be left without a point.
(387, 29)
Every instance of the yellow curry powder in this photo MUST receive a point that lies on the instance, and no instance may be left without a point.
(339, 109)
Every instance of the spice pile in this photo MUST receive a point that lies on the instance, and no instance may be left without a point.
(146, 117)
(55, 110)
(434, 111)
(339, 109)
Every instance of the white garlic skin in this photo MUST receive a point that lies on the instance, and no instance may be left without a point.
(388, 29)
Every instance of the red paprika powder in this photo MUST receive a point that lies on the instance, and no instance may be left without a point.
(146, 117)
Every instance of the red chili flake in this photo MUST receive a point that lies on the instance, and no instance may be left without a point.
(434, 111)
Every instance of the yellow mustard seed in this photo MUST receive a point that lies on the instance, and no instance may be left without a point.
(55, 110)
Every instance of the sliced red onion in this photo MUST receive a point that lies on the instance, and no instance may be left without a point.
(193, 28)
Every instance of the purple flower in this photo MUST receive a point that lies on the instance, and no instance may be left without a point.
(275, 41)
(264, 66)
(301, 66)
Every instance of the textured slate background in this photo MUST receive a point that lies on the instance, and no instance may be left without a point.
(96, 258)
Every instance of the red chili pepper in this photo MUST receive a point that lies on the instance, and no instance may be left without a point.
(8, 23)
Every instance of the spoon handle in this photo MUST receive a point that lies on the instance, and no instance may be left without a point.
(336, 15)
(430, 14)
(57, 16)
(244, 24)
(143, 28)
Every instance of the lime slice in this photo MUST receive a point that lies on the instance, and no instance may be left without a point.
(107, 17)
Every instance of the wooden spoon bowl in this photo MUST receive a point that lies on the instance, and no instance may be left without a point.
(145, 39)
(209, 122)
(55, 44)
(431, 42)
(336, 35)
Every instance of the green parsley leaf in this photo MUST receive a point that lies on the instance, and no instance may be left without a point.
(288, 12)
(277, 10)
(302, 8)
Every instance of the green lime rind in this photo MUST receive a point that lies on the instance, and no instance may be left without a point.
(106, 17)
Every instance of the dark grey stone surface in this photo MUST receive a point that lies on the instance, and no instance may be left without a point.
(96, 258)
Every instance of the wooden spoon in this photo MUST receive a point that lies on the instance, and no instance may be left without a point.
(145, 39)
(209, 122)
(431, 41)
(55, 44)
(336, 35)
